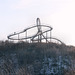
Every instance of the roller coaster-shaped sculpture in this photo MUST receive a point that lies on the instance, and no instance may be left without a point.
(42, 35)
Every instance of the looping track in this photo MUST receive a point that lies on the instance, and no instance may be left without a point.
(38, 37)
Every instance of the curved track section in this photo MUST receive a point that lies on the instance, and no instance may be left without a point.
(40, 35)
(25, 30)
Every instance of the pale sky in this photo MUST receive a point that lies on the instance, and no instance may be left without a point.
(16, 15)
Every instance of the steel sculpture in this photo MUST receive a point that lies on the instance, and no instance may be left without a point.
(38, 37)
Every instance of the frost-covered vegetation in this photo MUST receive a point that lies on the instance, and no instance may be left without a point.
(36, 59)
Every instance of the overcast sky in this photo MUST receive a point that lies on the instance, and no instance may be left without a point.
(16, 15)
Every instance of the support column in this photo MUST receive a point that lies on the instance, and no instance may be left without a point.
(26, 36)
(18, 37)
(46, 37)
(40, 38)
(50, 35)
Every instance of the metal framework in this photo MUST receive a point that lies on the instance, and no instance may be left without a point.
(38, 37)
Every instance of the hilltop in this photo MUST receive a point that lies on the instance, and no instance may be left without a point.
(36, 59)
